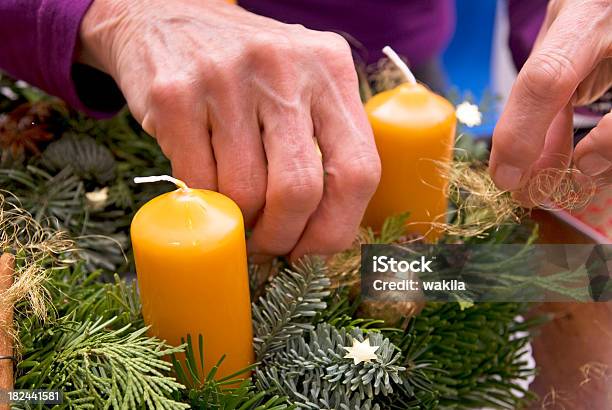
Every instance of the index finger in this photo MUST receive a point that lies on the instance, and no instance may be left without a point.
(545, 84)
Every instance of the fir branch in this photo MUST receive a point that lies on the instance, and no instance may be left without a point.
(101, 368)
(340, 308)
(101, 250)
(467, 148)
(235, 391)
(56, 197)
(313, 372)
(341, 312)
(121, 195)
(286, 310)
(517, 280)
(80, 294)
(465, 358)
(58, 200)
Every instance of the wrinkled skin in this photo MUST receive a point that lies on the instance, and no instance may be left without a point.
(570, 65)
(235, 101)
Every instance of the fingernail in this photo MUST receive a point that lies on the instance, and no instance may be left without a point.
(508, 177)
(593, 164)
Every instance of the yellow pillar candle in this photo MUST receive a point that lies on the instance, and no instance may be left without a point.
(414, 130)
(190, 253)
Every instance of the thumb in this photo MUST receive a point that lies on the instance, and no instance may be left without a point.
(567, 54)
(593, 155)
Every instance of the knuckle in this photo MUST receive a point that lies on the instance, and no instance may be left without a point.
(299, 190)
(361, 175)
(337, 53)
(336, 44)
(275, 58)
(219, 76)
(548, 74)
(270, 47)
(166, 91)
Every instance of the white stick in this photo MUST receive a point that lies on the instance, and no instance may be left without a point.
(157, 178)
(389, 52)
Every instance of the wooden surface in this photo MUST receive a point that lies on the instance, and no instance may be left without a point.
(6, 319)
(574, 350)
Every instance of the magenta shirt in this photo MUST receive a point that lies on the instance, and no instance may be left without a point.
(38, 37)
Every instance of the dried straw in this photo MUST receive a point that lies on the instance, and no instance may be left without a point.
(34, 248)
(481, 206)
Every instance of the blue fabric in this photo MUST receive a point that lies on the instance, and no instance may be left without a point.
(467, 60)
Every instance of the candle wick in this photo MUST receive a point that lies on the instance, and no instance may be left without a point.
(158, 178)
(389, 52)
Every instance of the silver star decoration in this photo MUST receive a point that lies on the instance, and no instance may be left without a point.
(361, 351)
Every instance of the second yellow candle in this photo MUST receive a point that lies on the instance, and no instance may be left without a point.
(414, 129)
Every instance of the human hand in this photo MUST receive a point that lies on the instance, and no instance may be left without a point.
(570, 65)
(235, 101)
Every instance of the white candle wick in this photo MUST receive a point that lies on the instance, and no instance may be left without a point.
(389, 52)
(158, 178)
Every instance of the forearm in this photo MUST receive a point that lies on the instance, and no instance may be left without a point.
(39, 41)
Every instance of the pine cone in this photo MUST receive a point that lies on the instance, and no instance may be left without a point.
(88, 159)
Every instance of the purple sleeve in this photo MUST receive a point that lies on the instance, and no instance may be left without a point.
(38, 44)
(416, 29)
(526, 18)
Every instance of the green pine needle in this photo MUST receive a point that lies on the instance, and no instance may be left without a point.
(98, 367)
(313, 372)
(231, 392)
(287, 308)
